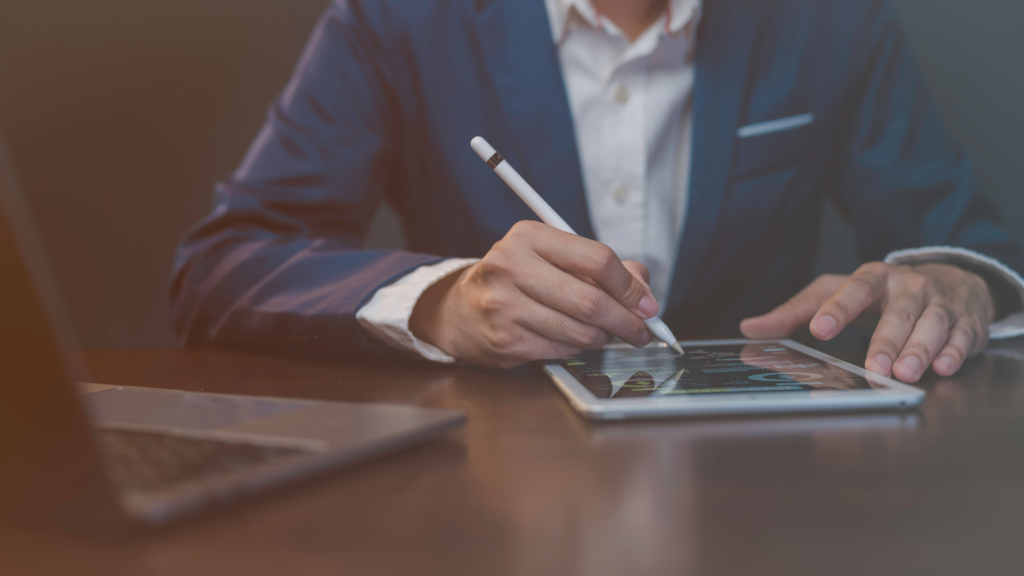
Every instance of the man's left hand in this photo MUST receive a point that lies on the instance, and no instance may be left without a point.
(935, 314)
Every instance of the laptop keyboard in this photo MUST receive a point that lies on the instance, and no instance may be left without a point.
(150, 460)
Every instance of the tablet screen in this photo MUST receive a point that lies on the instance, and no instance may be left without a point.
(716, 369)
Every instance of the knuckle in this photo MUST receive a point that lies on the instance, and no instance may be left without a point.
(591, 304)
(903, 314)
(565, 289)
(501, 339)
(592, 338)
(971, 336)
(933, 289)
(838, 309)
(584, 335)
(918, 349)
(940, 315)
(968, 323)
(886, 344)
(523, 229)
(492, 303)
(485, 266)
(605, 260)
(863, 282)
(914, 281)
(495, 263)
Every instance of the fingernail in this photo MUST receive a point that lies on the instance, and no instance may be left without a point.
(646, 338)
(947, 363)
(910, 366)
(883, 364)
(648, 307)
(825, 325)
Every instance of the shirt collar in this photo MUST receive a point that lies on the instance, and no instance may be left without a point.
(565, 15)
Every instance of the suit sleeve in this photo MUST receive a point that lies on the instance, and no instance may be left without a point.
(902, 181)
(277, 265)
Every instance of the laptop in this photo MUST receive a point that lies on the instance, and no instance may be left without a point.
(121, 456)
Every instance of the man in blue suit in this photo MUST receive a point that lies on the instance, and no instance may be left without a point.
(690, 143)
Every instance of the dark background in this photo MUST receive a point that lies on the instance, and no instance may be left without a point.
(121, 114)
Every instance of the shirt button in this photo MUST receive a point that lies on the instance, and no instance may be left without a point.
(622, 94)
(621, 195)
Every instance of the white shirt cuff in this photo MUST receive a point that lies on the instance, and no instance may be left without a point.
(1012, 325)
(387, 314)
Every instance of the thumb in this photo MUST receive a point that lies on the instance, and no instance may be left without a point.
(797, 312)
(638, 270)
(648, 305)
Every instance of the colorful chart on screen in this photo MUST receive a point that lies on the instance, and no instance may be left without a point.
(722, 369)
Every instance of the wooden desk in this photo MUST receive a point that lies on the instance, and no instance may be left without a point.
(528, 487)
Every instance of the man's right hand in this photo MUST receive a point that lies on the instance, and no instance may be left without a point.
(539, 294)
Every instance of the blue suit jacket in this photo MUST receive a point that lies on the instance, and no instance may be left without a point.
(389, 93)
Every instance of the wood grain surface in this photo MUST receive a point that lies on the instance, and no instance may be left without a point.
(529, 487)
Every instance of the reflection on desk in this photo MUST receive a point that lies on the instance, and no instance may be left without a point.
(530, 487)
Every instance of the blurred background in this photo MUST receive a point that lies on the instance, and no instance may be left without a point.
(121, 115)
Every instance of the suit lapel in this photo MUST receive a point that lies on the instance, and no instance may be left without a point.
(725, 44)
(540, 142)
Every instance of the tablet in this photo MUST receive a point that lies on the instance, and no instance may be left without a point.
(717, 377)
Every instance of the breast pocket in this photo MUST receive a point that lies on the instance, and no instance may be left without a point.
(770, 146)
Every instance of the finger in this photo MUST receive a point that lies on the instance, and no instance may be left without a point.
(893, 331)
(638, 270)
(966, 339)
(596, 261)
(865, 287)
(588, 304)
(798, 310)
(635, 268)
(555, 325)
(930, 333)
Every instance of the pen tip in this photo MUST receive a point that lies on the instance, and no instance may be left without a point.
(678, 348)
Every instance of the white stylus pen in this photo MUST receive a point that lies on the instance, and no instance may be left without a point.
(546, 213)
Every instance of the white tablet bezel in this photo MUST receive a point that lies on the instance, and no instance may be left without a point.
(897, 396)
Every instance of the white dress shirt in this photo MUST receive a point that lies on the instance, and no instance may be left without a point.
(631, 104)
